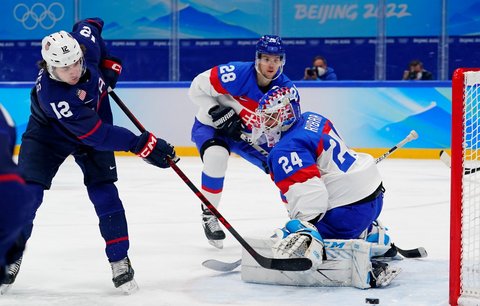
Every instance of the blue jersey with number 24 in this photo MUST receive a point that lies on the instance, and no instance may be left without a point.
(316, 171)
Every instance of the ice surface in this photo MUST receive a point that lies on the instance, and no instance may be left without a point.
(64, 263)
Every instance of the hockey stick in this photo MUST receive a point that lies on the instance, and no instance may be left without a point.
(287, 264)
(445, 158)
(412, 136)
(254, 145)
(412, 253)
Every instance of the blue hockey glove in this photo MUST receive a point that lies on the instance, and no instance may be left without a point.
(226, 121)
(111, 68)
(154, 150)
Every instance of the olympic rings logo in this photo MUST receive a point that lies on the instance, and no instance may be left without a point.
(39, 14)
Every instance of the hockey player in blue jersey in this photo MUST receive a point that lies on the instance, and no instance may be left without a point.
(330, 191)
(71, 115)
(227, 96)
(15, 200)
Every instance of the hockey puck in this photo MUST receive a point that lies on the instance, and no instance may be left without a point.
(372, 301)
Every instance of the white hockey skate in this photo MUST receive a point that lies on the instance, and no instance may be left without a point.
(213, 231)
(11, 274)
(123, 273)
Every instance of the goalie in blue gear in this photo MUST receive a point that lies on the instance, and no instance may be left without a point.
(322, 180)
(227, 96)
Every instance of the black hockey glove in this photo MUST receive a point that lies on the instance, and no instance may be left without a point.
(154, 150)
(111, 68)
(226, 121)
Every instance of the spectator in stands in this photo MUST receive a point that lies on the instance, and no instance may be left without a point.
(416, 72)
(319, 71)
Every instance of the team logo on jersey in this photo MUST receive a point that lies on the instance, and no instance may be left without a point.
(81, 94)
(249, 118)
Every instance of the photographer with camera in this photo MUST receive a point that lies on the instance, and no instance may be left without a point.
(416, 72)
(319, 71)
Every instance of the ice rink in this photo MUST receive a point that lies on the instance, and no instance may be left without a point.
(64, 263)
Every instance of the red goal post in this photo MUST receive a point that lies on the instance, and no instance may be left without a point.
(465, 189)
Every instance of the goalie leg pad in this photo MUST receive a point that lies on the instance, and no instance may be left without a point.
(348, 264)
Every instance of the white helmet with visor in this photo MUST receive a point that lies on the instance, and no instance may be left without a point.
(60, 49)
(275, 114)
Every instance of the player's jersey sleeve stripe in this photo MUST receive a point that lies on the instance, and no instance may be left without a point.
(95, 128)
(11, 178)
(214, 80)
(299, 177)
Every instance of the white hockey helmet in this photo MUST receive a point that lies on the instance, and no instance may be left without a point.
(60, 49)
(275, 114)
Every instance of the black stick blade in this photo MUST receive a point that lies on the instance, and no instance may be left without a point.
(287, 264)
(413, 253)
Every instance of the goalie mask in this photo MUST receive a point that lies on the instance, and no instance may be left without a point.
(275, 114)
(270, 45)
(60, 49)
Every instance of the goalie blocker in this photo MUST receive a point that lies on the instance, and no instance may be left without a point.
(348, 264)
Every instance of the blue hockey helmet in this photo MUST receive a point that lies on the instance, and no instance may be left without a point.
(272, 45)
(275, 114)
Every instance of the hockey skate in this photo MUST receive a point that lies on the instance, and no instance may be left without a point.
(122, 272)
(382, 274)
(212, 229)
(11, 274)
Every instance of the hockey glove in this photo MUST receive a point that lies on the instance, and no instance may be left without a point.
(300, 239)
(226, 121)
(154, 150)
(111, 68)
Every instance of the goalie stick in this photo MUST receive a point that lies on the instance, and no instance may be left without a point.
(411, 136)
(412, 253)
(223, 266)
(446, 159)
(254, 145)
(285, 264)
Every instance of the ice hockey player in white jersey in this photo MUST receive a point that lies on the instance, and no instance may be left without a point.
(336, 190)
(227, 96)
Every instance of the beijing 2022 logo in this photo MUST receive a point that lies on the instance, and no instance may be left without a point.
(39, 15)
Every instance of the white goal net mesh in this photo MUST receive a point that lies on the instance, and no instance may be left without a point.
(470, 214)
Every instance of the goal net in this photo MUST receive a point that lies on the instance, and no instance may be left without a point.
(465, 189)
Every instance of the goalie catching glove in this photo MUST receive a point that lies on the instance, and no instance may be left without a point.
(299, 239)
(155, 151)
(226, 121)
